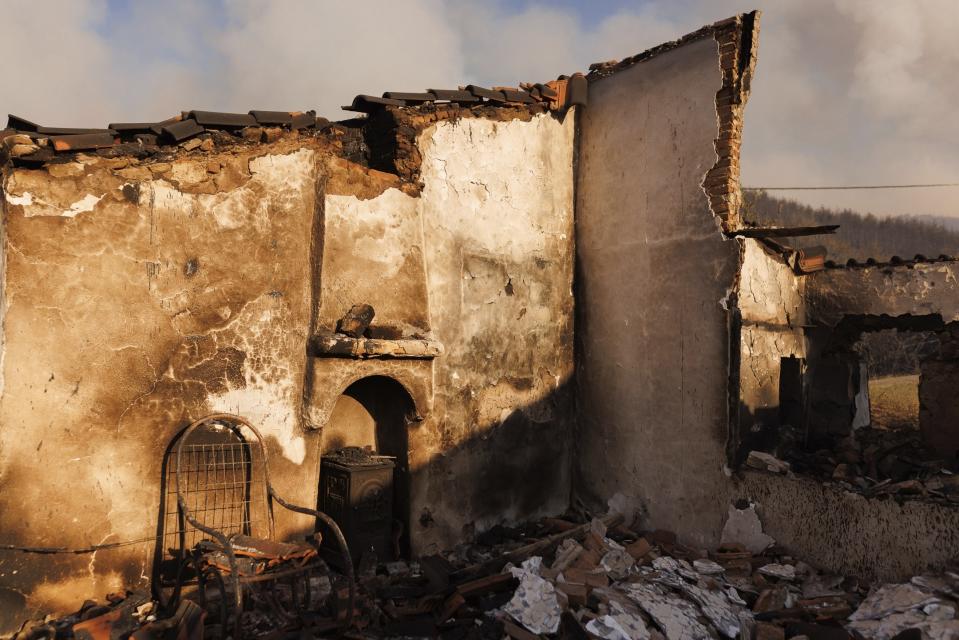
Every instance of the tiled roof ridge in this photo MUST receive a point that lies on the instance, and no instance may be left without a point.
(555, 95)
(41, 143)
(30, 141)
(791, 256)
(894, 261)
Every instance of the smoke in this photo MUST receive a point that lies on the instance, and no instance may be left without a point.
(846, 92)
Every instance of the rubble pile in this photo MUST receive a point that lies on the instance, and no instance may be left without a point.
(571, 578)
(873, 462)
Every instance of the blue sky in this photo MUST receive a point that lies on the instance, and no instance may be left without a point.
(845, 92)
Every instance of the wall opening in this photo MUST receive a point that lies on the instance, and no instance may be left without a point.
(878, 403)
(376, 412)
(890, 363)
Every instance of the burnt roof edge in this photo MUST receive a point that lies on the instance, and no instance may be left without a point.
(601, 70)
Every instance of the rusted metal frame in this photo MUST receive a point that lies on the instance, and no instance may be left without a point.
(222, 539)
(221, 584)
(271, 494)
(340, 540)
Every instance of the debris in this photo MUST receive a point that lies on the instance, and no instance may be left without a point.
(780, 571)
(616, 563)
(534, 605)
(766, 462)
(356, 321)
(707, 567)
(525, 586)
(677, 617)
(743, 526)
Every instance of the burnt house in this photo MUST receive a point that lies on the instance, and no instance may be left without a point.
(568, 305)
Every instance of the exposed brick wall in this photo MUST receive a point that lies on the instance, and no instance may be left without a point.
(738, 41)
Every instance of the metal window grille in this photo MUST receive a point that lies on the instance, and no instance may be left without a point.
(217, 481)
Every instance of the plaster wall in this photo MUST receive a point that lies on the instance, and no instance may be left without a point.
(846, 533)
(655, 277)
(140, 297)
(481, 261)
(919, 289)
(772, 311)
(497, 210)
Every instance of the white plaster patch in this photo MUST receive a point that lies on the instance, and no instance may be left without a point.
(24, 200)
(497, 196)
(35, 207)
(269, 408)
(381, 229)
(83, 205)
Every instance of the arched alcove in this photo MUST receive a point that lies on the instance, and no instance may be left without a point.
(376, 412)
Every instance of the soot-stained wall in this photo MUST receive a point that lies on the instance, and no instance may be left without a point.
(141, 295)
(481, 261)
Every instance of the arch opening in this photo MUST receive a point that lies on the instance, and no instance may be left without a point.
(376, 412)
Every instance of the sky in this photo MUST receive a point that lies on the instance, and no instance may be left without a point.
(845, 92)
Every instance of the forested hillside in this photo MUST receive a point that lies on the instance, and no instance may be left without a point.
(860, 236)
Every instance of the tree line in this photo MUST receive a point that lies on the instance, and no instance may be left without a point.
(860, 236)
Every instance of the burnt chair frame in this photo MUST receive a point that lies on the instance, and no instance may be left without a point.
(238, 581)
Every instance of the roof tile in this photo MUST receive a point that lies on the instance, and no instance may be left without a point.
(369, 104)
(179, 131)
(218, 119)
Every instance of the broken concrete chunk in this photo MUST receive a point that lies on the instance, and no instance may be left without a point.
(743, 526)
(356, 321)
(534, 605)
(717, 608)
(675, 616)
(779, 571)
(766, 462)
(893, 598)
(607, 628)
(707, 567)
(617, 563)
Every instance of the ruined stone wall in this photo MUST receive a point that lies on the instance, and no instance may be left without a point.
(657, 278)
(140, 296)
(143, 294)
(918, 289)
(480, 261)
(849, 534)
(772, 312)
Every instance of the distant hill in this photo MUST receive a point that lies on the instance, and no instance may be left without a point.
(860, 236)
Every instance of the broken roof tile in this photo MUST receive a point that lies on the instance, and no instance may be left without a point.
(546, 91)
(369, 104)
(410, 98)
(220, 119)
(272, 117)
(489, 94)
(131, 128)
(179, 131)
(511, 94)
(71, 131)
(20, 124)
(454, 95)
(305, 119)
(577, 90)
(82, 141)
